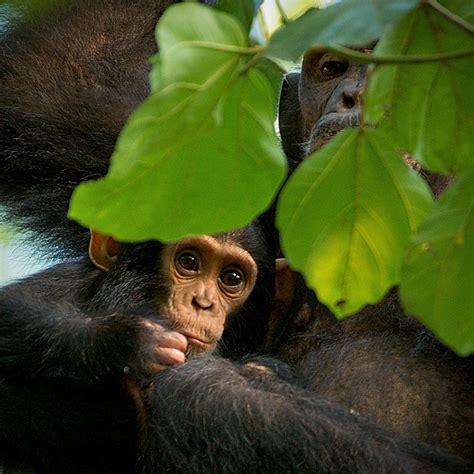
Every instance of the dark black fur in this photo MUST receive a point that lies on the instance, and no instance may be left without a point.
(250, 420)
(67, 84)
(56, 425)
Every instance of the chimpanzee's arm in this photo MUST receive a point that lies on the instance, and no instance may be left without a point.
(211, 415)
(44, 330)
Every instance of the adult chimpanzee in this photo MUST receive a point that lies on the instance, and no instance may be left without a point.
(380, 362)
(67, 334)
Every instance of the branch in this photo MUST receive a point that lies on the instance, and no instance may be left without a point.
(359, 57)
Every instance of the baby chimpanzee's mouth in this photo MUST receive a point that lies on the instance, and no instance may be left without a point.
(198, 346)
(197, 340)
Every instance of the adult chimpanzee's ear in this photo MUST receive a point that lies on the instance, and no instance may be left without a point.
(103, 250)
(285, 284)
(290, 121)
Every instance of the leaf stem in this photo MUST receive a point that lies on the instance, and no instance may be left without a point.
(360, 57)
(449, 15)
(227, 48)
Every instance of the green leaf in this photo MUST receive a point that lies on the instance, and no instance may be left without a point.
(437, 282)
(194, 69)
(193, 40)
(200, 155)
(273, 71)
(429, 108)
(194, 37)
(346, 215)
(352, 22)
(218, 177)
(244, 10)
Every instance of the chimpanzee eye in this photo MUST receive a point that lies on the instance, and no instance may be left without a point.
(232, 278)
(188, 261)
(333, 68)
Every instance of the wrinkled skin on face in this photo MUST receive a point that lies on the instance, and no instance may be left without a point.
(329, 94)
(319, 102)
(207, 280)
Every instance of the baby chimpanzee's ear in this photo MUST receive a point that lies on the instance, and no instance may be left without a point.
(103, 250)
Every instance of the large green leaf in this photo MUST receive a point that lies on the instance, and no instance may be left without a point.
(216, 179)
(346, 215)
(429, 108)
(192, 74)
(437, 282)
(352, 22)
(200, 155)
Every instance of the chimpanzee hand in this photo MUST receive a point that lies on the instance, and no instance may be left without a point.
(158, 348)
(136, 343)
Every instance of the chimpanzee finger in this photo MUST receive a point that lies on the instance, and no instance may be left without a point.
(164, 337)
(166, 356)
(171, 340)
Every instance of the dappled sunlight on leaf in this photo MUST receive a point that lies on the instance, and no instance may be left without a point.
(346, 215)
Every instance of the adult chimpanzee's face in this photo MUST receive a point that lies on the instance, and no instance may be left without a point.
(329, 97)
